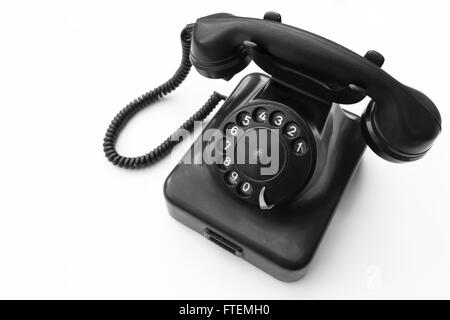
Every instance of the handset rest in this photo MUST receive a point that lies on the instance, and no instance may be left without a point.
(400, 124)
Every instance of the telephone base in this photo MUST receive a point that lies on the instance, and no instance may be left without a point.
(281, 241)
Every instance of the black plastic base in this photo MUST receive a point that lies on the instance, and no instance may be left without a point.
(283, 240)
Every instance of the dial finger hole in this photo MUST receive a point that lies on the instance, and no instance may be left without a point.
(260, 115)
(232, 130)
(277, 119)
(232, 178)
(244, 119)
(245, 189)
(300, 147)
(292, 130)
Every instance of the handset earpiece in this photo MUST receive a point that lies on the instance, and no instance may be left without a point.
(399, 124)
(401, 127)
(211, 53)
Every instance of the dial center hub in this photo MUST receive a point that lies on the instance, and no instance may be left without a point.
(260, 154)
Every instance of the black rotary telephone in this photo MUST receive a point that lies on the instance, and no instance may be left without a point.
(283, 149)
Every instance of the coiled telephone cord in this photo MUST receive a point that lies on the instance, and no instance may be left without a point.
(122, 118)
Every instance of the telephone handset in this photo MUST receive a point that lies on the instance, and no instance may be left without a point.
(275, 215)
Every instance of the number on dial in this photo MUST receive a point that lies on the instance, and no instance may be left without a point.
(232, 129)
(300, 147)
(227, 161)
(277, 119)
(227, 145)
(232, 178)
(244, 119)
(245, 189)
(292, 130)
(261, 115)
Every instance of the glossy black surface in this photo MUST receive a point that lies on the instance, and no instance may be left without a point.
(400, 124)
(282, 240)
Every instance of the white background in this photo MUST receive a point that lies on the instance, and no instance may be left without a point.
(74, 226)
